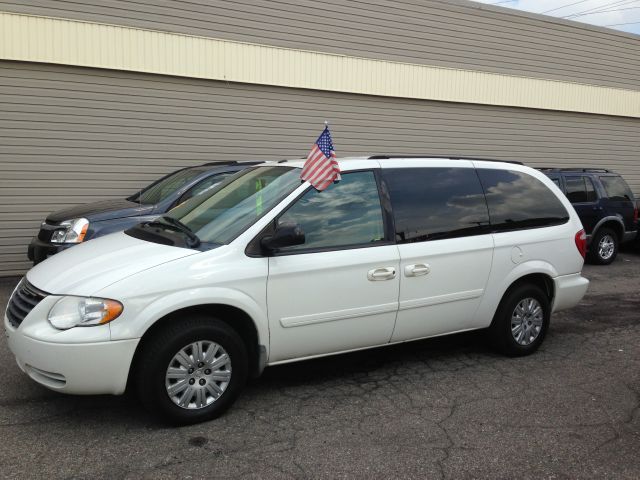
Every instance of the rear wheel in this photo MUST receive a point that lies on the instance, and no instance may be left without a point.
(192, 370)
(604, 247)
(521, 321)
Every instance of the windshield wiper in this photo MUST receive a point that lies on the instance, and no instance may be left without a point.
(176, 225)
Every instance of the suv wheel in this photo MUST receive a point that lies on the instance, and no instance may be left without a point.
(521, 321)
(604, 247)
(191, 371)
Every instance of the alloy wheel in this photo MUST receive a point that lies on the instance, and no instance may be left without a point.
(606, 247)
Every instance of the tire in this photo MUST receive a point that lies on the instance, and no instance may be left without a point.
(204, 389)
(604, 247)
(508, 315)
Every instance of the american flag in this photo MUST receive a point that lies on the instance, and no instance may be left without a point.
(321, 168)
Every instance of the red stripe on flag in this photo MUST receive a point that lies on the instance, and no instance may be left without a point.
(314, 157)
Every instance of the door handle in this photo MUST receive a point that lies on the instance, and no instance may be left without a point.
(379, 274)
(416, 270)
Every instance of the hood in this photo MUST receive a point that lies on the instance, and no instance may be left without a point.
(104, 210)
(96, 264)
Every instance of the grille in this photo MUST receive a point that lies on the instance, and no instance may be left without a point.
(46, 231)
(22, 302)
(44, 235)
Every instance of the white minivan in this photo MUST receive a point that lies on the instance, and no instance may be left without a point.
(266, 270)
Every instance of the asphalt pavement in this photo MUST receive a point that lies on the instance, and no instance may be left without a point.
(443, 408)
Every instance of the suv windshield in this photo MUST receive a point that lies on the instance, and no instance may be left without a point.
(163, 188)
(232, 207)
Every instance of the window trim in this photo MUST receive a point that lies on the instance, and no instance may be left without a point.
(254, 249)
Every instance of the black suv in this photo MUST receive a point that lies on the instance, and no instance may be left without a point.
(605, 205)
(68, 227)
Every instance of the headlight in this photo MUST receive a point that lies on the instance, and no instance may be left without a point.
(73, 231)
(69, 312)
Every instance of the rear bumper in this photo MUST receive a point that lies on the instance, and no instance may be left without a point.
(39, 251)
(630, 236)
(568, 291)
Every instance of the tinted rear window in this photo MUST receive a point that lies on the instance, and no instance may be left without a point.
(580, 189)
(517, 200)
(617, 189)
(435, 203)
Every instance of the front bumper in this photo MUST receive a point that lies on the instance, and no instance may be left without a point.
(39, 250)
(78, 368)
(568, 291)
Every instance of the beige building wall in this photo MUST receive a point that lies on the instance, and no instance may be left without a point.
(90, 111)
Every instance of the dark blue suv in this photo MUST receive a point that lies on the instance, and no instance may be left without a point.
(68, 227)
(605, 205)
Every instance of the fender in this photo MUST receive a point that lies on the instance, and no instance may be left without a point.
(487, 309)
(602, 221)
(148, 313)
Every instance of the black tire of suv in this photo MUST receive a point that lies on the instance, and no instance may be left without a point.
(157, 352)
(499, 332)
(594, 250)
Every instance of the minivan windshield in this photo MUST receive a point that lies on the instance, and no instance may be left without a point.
(222, 215)
(163, 188)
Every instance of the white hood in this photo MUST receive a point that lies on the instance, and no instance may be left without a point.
(87, 268)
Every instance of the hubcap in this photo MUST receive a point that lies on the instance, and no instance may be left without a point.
(606, 247)
(198, 375)
(526, 321)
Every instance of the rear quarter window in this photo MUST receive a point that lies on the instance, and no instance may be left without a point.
(617, 189)
(518, 200)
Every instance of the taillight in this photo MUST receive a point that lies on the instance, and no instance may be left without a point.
(581, 243)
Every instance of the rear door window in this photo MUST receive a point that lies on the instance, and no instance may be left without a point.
(517, 201)
(617, 189)
(592, 196)
(435, 203)
(580, 189)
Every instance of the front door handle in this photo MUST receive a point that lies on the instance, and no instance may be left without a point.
(416, 270)
(379, 274)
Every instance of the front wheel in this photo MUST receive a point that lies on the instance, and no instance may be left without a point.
(604, 247)
(521, 321)
(192, 370)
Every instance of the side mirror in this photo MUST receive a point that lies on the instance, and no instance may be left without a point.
(286, 235)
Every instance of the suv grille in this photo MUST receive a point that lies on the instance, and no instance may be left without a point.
(46, 231)
(22, 302)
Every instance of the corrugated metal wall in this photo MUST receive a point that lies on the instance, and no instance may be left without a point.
(83, 44)
(72, 135)
(454, 33)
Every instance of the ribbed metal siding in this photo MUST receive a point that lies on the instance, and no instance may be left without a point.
(452, 33)
(73, 135)
(79, 43)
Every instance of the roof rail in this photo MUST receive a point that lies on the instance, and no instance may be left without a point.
(585, 170)
(232, 162)
(213, 164)
(451, 157)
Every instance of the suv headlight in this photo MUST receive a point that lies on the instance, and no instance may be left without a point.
(73, 231)
(69, 312)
